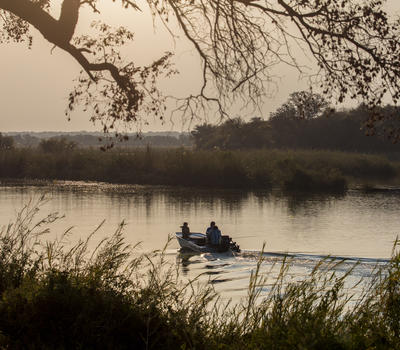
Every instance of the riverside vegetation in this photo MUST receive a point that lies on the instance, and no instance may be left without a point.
(59, 296)
(258, 169)
(304, 146)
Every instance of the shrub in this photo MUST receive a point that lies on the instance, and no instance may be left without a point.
(56, 145)
(6, 143)
(326, 180)
(59, 297)
(262, 169)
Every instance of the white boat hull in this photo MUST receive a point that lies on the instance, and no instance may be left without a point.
(190, 244)
(196, 242)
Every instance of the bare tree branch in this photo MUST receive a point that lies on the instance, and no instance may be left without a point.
(240, 43)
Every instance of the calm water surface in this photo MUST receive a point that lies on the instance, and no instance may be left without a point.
(354, 226)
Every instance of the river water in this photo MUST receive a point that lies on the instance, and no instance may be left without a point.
(356, 226)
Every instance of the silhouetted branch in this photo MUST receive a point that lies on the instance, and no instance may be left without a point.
(239, 42)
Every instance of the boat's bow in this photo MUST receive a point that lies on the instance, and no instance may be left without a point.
(195, 241)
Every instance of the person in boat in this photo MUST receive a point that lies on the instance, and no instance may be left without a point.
(215, 236)
(185, 230)
(208, 231)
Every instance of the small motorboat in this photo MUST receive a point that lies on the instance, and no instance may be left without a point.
(197, 242)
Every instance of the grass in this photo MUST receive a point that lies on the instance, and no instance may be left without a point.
(260, 169)
(56, 296)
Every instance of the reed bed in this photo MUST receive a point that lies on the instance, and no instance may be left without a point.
(60, 296)
(260, 169)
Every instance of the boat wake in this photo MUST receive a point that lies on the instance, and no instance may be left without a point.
(253, 254)
(230, 274)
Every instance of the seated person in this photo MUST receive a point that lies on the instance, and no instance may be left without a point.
(185, 230)
(208, 231)
(215, 236)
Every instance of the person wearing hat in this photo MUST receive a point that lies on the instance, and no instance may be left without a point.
(185, 230)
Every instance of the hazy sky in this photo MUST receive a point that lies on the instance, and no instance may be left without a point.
(34, 84)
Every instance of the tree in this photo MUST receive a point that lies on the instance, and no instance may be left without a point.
(204, 135)
(354, 43)
(301, 105)
(287, 122)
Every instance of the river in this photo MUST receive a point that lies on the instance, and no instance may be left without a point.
(355, 226)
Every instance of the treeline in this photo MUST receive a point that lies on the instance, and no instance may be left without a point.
(54, 296)
(306, 121)
(263, 169)
(97, 140)
(286, 129)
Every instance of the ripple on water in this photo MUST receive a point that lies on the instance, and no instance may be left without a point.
(230, 276)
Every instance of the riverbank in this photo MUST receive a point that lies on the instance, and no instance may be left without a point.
(310, 171)
(57, 296)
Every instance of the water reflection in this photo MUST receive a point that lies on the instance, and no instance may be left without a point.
(330, 224)
(308, 204)
(185, 259)
(195, 199)
(351, 225)
(303, 229)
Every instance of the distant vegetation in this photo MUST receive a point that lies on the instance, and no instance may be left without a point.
(306, 122)
(305, 146)
(56, 145)
(6, 143)
(262, 169)
(293, 128)
(97, 140)
(61, 297)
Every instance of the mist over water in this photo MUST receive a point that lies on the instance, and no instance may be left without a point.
(356, 229)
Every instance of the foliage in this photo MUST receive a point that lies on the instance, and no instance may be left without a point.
(286, 129)
(136, 88)
(301, 105)
(56, 145)
(87, 140)
(6, 142)
(355, 46)
(323, 180)
(65, 296)
(263, 169)
(233, 134)
(58, 295)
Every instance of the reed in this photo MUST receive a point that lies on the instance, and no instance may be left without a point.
(259, 169)
(58, 296)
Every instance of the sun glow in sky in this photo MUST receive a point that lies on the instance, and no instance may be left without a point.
(34, 84)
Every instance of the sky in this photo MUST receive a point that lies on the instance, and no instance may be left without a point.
(34, 83)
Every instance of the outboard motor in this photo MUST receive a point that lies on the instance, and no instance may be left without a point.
(234, 246)
(227, 243)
